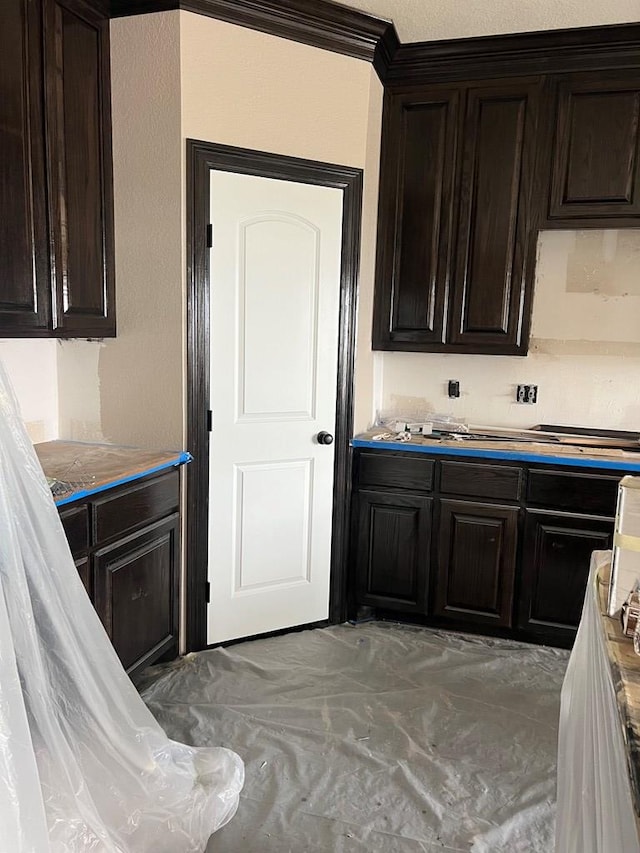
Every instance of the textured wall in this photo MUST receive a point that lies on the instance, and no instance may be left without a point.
(33, 371)
(423, 20)
(245, 88)
(365, 391)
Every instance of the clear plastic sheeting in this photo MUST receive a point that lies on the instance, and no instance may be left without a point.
(377, 738)
(595, 808)
(84, 766)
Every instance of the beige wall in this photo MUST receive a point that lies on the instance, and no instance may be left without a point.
(365, 375)
(32, 368)
(245, 88)
(584, 354)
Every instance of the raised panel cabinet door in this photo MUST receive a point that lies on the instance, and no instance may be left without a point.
(415, 218)
(595, 168)
(495, 241)
(135, 582)
(476, 562)
(78, 115)
(392, 557)
(24, 302)
(555, 567)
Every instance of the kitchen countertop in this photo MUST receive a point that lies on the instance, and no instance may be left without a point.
(591, 457)
(87, 468)
(625, 670)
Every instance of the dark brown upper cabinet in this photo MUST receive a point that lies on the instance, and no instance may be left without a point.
(456, 236)
(56, 206)
(415, 217)
(595, 170)
(80, 180)
(24, 256)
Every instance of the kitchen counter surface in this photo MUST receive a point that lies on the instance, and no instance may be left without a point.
(582, 457)
(625, 670)
(81, 469)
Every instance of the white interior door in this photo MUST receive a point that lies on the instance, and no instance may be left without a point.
(275, 288)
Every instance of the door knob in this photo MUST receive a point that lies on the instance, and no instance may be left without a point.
(324, 437)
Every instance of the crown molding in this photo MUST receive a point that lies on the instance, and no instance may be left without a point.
(542, 52)
(320, 23)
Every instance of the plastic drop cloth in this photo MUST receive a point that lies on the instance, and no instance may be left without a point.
(84, 766)
(595, 811)
(377, 738)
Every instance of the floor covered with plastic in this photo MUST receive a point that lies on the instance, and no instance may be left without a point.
(377, 737)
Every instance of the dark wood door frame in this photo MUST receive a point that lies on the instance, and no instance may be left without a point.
(202, 158)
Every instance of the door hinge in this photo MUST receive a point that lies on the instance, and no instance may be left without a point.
(209, 421)
(209, 236)
(207, 592)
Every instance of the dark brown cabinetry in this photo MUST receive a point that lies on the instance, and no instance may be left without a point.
(126, 544)
(134, 580)
(56, 209)
(556, 552)
(497, 547)
(24, 255)
(415, 217)
(595, 169)
(476, 562)
(393, 539)
(456, 234)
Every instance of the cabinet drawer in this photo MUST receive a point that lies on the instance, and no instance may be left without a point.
(401, 471)
(580, 493)
(481, 481)
(136, 506)
(76, 527)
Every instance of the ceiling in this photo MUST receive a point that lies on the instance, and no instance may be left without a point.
(424, 20)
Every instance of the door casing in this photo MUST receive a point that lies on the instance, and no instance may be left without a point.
(202, 157)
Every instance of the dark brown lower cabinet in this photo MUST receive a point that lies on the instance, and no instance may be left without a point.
(496, 547)
(126, 545)
(136, 591)
(555, 565)
(476, 562)
(393, 539)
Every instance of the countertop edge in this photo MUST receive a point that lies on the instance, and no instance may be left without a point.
(567, 461)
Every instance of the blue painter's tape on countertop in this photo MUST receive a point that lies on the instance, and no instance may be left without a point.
(572, 461)
(181, 459)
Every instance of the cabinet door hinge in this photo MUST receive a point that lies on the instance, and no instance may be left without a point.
(209, 236)
(210, 420)
(207, 592)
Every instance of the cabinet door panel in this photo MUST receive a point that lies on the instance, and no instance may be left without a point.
(416, 196)
(78, 127)
(136, 591)
(392, 560)
(556, 554)
(595, 170)
(476, 562)
(24, 306)
(495, 235)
